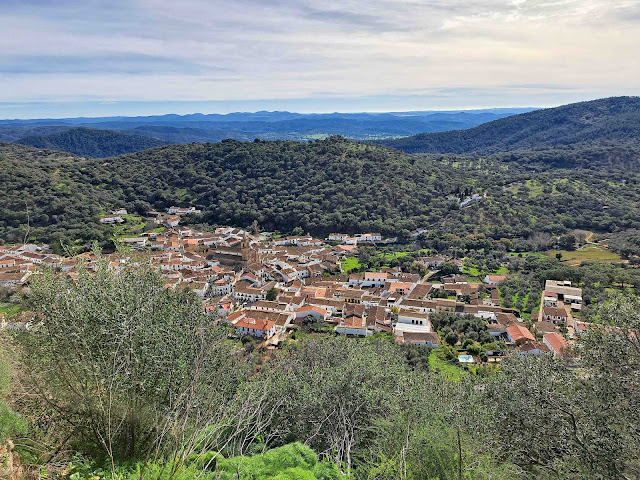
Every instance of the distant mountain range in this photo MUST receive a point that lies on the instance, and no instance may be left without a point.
(87, 137)
(610, 120)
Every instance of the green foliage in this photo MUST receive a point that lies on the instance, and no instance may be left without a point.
(127, 364)
(290, 462)
(89, 142)
(325, 392)
(609, 119)
(589, 429)
(465, 328)
(11, 423)
(319, 187)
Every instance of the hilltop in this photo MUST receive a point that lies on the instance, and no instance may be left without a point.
(606, 121)
(89, 142)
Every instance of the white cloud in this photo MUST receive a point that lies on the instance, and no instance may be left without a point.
(252, 49)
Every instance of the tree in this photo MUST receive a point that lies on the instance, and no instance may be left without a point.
(451, 338)
(130, 367)
(568, 242)
(324, 392)
(272, 294)
(10, 422)
(449, 268)
(590, 430)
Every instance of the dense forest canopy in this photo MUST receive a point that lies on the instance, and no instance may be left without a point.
(614, 120)
(322, 186)
(89, 142)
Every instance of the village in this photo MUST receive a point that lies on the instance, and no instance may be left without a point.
(267, 287)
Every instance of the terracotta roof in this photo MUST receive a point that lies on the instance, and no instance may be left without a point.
(519, 333)
(556, 342)
(418, 337)
(554, 312)
(263, 325)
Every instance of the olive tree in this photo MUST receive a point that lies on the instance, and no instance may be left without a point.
(131, 369)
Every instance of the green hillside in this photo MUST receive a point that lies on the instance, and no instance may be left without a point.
(88, 142)
(610, 120)
(322, 186)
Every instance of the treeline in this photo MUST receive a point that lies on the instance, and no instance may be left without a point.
(138, 381)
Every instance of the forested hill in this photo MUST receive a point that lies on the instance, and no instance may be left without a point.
(321, 186)
(610, 120)
(89, 142)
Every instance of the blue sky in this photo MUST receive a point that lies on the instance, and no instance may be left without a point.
(63, 58)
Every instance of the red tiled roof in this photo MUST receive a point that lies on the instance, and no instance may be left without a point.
(519, 333)
(556, 342)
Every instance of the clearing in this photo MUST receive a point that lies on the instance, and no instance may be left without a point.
(590, 253)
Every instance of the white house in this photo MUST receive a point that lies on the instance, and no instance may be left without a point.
(494, 279)
(111, 219)
(317, 313)
(138, 242)
(353, 325)
(200, 288)
(182, 211)
(370, 237)
(255, 328)
(556, 343)
(554, 314)
(337, 237)
(402, 333)
(411, 317)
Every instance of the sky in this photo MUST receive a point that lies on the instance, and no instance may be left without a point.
(65, 58)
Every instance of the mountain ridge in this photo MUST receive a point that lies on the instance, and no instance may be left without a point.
(608, 119)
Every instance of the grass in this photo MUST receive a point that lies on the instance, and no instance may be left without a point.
(9, 309)
(590, 253)
(526, 254)
(134, 225)
(448, 370)
(471, 270)
(474, 271)
(349, 264)
(392, 255)
(535, 188)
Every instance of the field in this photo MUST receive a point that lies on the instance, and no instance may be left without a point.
(474, 271)
(134, 225)
(349, 264)
(590, 253)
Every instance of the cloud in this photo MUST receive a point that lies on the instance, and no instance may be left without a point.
(204, 50)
